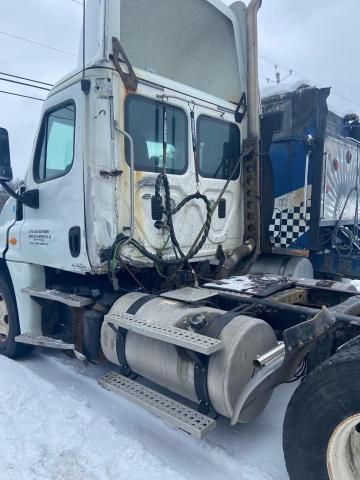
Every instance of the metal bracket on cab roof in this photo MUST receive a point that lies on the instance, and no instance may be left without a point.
(241, 109)
(129, 78)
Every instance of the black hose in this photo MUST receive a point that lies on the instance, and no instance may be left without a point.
(349, 248)
(200, 239)
(169, 213)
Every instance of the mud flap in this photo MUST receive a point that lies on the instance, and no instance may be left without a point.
(299, 341)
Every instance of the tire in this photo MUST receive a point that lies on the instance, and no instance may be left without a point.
(9, 321)
(326, 402)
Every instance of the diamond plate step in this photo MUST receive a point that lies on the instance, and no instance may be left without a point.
(48, 342)
(67, 298)
(174, 412)
(41, 341)
(190, 294)
(176, 336)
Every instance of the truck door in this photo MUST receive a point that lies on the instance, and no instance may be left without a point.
(54, 234)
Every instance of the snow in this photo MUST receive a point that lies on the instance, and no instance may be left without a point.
(57, 423)
(281, 88)
(246, 283)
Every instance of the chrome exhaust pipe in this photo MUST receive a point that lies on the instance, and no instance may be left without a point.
(271, 356)
(253, 69)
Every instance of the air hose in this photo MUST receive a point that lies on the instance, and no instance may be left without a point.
(169, 212)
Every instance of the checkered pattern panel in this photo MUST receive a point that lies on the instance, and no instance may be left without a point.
(288, 225)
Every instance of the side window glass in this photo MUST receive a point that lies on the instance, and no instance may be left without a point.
(55, 156)
(218, 148)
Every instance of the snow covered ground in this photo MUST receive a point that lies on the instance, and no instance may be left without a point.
(57, 423)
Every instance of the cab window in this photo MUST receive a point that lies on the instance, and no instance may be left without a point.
(55, 150)
(146, 120)
(218, 148)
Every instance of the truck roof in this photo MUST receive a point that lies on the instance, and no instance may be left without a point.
(198, 43)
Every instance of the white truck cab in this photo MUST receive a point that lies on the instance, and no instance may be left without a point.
(81, 163)
(139, 216)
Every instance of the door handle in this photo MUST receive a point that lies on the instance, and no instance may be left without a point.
(75, 241)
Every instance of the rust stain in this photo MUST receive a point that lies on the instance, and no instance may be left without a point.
(138, 176)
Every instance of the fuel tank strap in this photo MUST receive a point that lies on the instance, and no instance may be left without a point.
(135, 307)
(120, 349)
(218, 324)
(201, 363)
(122, 332)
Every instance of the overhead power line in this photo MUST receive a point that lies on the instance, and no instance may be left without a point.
(37, 43)
(265, 59)
(354, 102)
(26, 79)
(23, 83)
(334, 92)
(20, 95)
(294, 72)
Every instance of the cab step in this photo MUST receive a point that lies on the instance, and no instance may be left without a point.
(41, 341)
(48, 342)
(169, 334)
(69, 299)
(182, 417)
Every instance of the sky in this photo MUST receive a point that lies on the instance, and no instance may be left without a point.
(315, 39)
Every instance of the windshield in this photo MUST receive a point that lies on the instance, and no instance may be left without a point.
(219, 148)
(144, 121)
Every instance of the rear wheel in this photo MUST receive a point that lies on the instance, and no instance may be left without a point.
(322, 424)
(9, 321)
(343, 453)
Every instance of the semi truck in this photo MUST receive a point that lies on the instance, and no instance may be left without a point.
(315, 182)
(142, 220)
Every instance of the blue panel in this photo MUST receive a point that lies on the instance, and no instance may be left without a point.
(303, 112)
(302, 243)
(288, 161)
(333, 264)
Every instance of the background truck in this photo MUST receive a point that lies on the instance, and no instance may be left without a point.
(315, 183)
(141, 216)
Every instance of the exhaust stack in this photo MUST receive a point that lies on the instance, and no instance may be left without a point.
(253, 69)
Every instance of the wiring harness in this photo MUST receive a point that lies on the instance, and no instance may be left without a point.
(169, 212)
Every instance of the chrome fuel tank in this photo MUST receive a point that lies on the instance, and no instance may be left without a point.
(171, 367)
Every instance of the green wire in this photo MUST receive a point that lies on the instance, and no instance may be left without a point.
(114, 261)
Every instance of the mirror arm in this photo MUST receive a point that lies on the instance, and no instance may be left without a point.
(29, 198)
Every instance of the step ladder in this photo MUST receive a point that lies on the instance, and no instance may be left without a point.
(69, 299)
(179, 415)
(169, 334)
(48, 342)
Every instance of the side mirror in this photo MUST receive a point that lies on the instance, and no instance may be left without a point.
(6, 174)
(29, 198)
